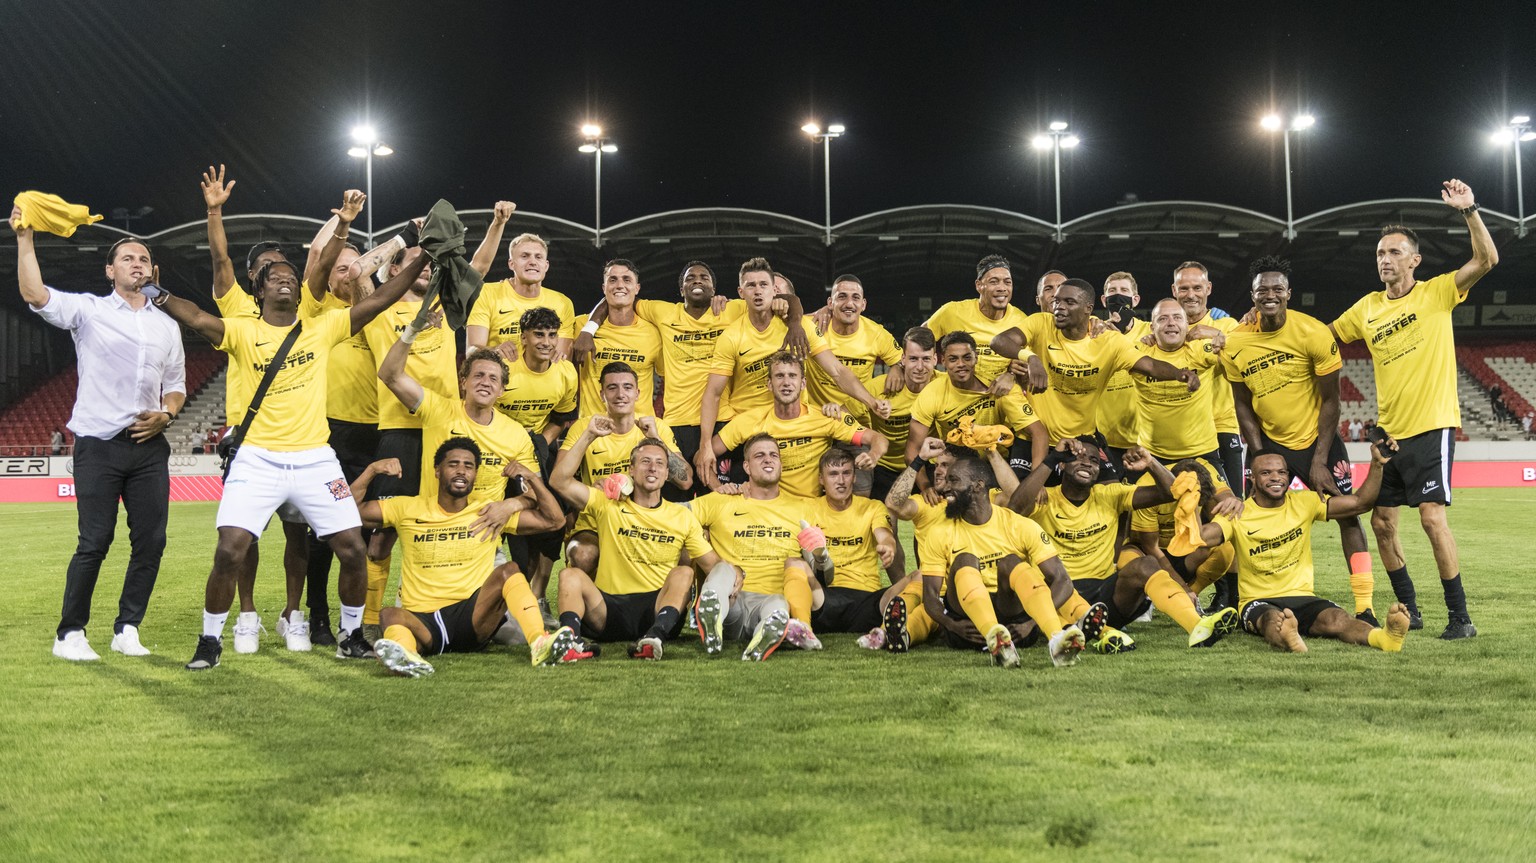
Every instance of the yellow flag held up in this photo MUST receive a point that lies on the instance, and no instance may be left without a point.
(41, 211)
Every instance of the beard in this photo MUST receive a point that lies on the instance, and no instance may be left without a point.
(956, 508)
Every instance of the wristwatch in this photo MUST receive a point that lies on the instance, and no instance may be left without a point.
(170, 413)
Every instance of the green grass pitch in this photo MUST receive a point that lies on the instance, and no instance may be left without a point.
(1236, 753)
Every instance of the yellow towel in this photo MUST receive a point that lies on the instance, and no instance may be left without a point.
(44, 212)
(967, 433)
(1186, 516)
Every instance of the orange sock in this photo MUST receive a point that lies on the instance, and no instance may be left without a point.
(1169, 597)
(1214, 567)
(523, 607)
(378, 578)
(402, 636)
(797, 591)
(1361, 583)
(974, 598)
(1036, 598)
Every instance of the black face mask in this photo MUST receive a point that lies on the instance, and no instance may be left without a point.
(1122, 304)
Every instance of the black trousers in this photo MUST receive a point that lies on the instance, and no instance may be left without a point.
(139, 474)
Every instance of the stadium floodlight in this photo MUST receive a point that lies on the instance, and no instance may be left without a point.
(834, 130)
(1274, 123)
(1054, 139)
(366, 137)
(597, 145)
(1518, 130)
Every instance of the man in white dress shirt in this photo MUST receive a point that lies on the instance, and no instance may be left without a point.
(132, 385)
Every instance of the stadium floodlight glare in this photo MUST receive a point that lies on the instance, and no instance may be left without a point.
(368, 145)
(1053, 140)
(834, 130)
(1274, 123)
(1518, 130)
(597, 145)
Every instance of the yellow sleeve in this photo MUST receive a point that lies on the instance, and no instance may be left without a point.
(926, 407)
(237, 333)
(1017, 411)
(818, 343)
(235, 303)
(845, 429)
(694, 541)
(665, 435)
(510, 528)
(1324, 352)
(734, 432)
(1144, 520)
(1121, 497)
(930, 550)
(1348, 325)
(1229, 369)
(886, 347)
(724, 360)
(574, 433)
(938, 322)
(704, 508)
(1125, 354)
(567, 313)
(1319, 506)
(1229, 530)
(734, 309)
(1035, 540)
(1443, 289)
(392, 509)
(653, 312)
(432, 408)
(480, 312)
(310, 307)
(1035, 333)
(337, 324)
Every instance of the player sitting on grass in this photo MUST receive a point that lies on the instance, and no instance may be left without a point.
(1152, 528)
(1081, 515)
(452, 595)
(993, 559)
(1274, 559)
(642, 578)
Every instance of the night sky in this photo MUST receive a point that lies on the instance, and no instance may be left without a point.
(120, 104)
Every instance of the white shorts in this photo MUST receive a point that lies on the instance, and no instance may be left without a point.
(260, 481)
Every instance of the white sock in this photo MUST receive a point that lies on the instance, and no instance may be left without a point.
(351, 617)
(213, 624)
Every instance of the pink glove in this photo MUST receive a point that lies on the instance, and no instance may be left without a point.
(615, 485)
(811, 537)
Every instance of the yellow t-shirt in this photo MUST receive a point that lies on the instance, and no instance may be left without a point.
(859, 351)
(941, 405)
(1117, 404)
(530, 397)
(802, 441)
(1005, 533)
(687, 348)
(500, 442)
(851, 540)
(432, 361)
(1274, 546)
(1221, 398)
(640, 544)
(1078, 371)
(1281, 369)
(639, 345)
(353, 392)
(756, 535)
(236, 303)
(609, 454)
(742, 352)
(966, 315)
(442, 562)
(1413, 354)
(1084, 535)
(1160, 518)
(500, 308)
(895, 429)
(1171, 421)
(292, 415)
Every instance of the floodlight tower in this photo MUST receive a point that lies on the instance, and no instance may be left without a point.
(368, 145)
(1273, 123)
(597, 145)
(824, 138)
(1513, 135)
(1053, 140)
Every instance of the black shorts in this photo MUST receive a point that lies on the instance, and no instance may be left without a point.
(521, 549)
(1306, 609)
(453, 627)
(544, 454)
(355, 445)
(405, 445)
(1420, 472)
(1103, 590)
(1009, 613)
(884, 478)
(629, 616)
(1230, 445)
(846, 609)
(1300, 463)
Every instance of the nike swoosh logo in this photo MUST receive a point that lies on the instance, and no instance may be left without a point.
(740, 514)
(505, 311)
(744, 353)
(1254, 531)
(1052, 348)
(262, 344)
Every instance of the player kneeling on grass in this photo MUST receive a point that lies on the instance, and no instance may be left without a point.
(996, 562)
(642, 580)
(1274, 559)
(754, 527)
(1082, 515)
(452, 595)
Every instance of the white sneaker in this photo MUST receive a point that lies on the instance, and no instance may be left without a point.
(127, 642)
(74, 647)
(294, 630)
(248, 630)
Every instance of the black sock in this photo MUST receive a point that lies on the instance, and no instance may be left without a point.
(571, 619)
(1402, 587)
(1455, 598)
(666, 621)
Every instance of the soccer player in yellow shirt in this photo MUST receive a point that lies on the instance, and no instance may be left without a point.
(1274, 560)
(452, 595)
(991, 313)
(496, 319)
(621, 336)
(755, 528)
(642, 578)
(919, 356)
(803, 432)
(995, 563)
(285, 456)
(1173, 422)
(1082, 517)
(1407, 326)
(1152, 530)
(857, 342)
(1192, 288)
(1284, 371)
(1117, 404)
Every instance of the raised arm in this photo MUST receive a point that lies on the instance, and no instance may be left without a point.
(1137, 458)
(1362, 501)
(28, 274)
(563, 478)
(392, 371)
(485, 254)
(388, 294)
(899, 499)
(369, 510)
(215, 194)
(317, 268)
(795, 340)
(679, 473)
(1484, 256)
(545, 515)
(850, 385)
(586, 341)
(1007, 480)
(709, 408)
(1024, 498)
(189, 315)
